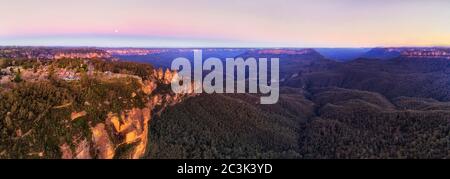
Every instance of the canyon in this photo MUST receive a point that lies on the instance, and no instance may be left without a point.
(84, 106)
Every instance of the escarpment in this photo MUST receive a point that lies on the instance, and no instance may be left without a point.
(82, 109)
(124, 134)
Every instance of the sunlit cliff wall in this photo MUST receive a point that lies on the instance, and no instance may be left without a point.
(128, 129)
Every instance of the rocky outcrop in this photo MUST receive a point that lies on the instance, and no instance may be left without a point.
(134, 51)
(148, 87)
(168, 76)
(165, 77)
(76, 115)
(66, 152)
(82, 150)
(158, 74)
(52, 53)
(127, 129)
(102, 143)
(87, 55)
(132, 126)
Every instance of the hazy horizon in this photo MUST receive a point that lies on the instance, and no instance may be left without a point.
(230, 47)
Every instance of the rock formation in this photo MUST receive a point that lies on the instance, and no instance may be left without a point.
(128, 129)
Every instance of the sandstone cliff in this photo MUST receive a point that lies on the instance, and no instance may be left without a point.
(125, 134)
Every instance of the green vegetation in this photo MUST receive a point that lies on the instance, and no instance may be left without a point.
(364, 127)
(24, 63)
(29, 124)
(222, 126)
(325, 123)
(142, 70)
(2, 62)
(107, 96)
(35, 116)
(74, 64)
(17, 76)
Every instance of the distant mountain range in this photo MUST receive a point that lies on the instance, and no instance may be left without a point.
(336, 54)
(348, 54)
(391, 53)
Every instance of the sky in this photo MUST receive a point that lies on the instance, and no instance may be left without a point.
(225, 23)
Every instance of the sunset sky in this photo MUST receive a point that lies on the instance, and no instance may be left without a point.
(225, 23)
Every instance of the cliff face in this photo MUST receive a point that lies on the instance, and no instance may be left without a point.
(420, 53)
(73, 55)
(52, 53)
(125, 134)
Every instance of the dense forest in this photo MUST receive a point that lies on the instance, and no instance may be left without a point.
(222, 126)
(336, 123)
(358, 109)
